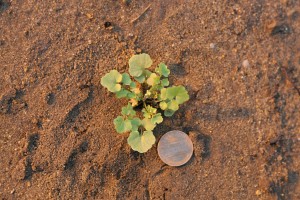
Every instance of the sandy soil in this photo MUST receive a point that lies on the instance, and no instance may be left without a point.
(240, 61)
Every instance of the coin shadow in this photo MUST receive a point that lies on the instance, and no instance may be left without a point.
(188, 163)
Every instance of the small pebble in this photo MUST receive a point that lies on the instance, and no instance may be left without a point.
(28, 184)
(25, 69)
(246, 64)
(34, 121)
(119, 38)
(138, 50)
(126, 2)
(258, 192)
(89, 16)
(212, 45)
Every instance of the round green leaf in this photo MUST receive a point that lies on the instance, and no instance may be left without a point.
(169, 113)
(153, 79)
(111, 81)
(173, 105)
(126, 80)
(122, 93)
(163, 94)
(157, 119)
(165, 82)
(148, 124)
(163, 105)
(140, 79)
(132, 85)
(122, 125)
(131, 95)
(163, 70)
(128, 110)
(138, 64)
(178, 93)
(146, 115)
(147, 73)
(141, 142)
(135, 123)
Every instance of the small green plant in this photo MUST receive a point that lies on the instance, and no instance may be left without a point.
(148, 92)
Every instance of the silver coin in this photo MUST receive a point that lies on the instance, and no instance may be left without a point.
(175, 148)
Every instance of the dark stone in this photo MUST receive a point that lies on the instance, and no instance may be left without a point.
(107, 24)
(206, 140)
(293, 177)
(83, 147)
(71, 160)
(3, 5)
(33, 142)
(282, 29)
(50, 98)
(28, 170)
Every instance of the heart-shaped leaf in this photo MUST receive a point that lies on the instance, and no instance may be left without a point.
(178, 93)
(126, 80)
(111, 81)
(141, 142)
(138, 64)
(136, 123)
(122, 125)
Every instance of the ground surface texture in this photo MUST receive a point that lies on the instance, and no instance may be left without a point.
(240, 61)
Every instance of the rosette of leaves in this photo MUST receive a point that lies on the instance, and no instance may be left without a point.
(148, 92)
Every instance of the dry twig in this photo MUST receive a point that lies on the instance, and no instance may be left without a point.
(138, 17)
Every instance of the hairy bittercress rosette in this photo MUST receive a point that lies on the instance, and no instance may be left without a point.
(146, 89)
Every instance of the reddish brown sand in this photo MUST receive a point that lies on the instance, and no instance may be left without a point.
(240, 61)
